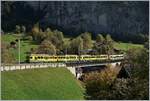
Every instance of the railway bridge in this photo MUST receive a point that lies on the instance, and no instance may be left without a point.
(74, 68)
(78, 68)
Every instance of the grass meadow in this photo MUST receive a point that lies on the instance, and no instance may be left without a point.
(40, 84)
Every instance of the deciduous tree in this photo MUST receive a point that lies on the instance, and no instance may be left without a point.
(17, 29)
(46, 47)
(99, 44)
(76, 46)
(87, 40)
(7, 57)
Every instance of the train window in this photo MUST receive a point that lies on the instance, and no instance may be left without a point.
(45, 57)
(41, 57)
(50, 57)
(38, 57)
(35, 57)
(31, 57)
(62, 57)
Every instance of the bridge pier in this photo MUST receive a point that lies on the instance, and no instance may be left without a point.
(76, 71)
(72, 70)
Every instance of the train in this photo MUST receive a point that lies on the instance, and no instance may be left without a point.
(33, 58)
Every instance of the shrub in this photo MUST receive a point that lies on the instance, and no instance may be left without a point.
(98, 84)
(130, 89)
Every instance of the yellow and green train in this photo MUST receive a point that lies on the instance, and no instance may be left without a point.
(72, 58)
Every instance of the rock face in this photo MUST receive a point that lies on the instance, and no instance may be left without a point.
(111, 17)
(97, 17)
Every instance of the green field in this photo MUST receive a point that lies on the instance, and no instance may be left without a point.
(41, 84)
(25, 45)
(126, 46)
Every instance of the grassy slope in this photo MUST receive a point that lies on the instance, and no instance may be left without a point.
(126, 46)
(50, 83)
(25, 45)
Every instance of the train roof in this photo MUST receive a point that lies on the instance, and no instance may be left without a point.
(74, 55)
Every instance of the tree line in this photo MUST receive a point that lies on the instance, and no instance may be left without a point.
(53, 42)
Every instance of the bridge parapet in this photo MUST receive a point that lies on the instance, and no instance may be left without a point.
(45, 65)
(30, 66)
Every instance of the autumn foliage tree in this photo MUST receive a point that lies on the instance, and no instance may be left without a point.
(98, 84)
(46, 47)
(109, 44)
(76, 45)
(7, 57)
(99, 44)
(87, 40)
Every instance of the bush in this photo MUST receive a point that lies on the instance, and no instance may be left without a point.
(98, 84)
(130, 89)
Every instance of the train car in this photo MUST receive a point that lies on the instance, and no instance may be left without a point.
(67, 58)
(42, 58)
(61, 58)
(93, 57)
(72, 58)
(101, 57)
(117, 57)
(86, 58)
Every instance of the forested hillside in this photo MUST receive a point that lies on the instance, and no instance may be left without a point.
(125, 21)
